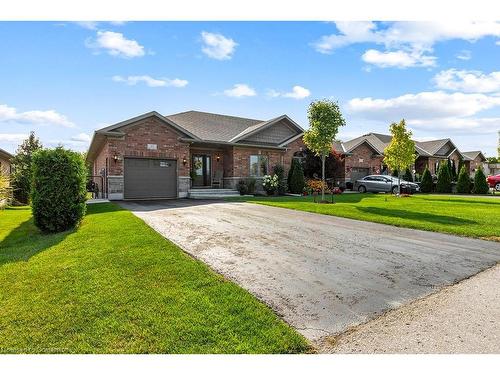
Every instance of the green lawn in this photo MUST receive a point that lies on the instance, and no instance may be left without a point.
(464, 216)
(116, 286)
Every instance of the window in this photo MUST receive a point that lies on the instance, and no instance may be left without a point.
(258, 165)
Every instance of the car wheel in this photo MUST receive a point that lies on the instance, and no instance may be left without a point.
(362, 189)
(395, 190)
(497, 186)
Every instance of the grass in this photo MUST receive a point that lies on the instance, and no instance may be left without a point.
(116, 286)
(464, 216)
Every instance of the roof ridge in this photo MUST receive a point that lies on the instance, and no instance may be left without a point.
(215, 114)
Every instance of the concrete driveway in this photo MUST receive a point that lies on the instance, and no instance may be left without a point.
(322, 274)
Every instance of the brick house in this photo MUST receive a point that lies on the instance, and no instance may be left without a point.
(364, 155)
(5, 165)
(473, 160)
(156, 156)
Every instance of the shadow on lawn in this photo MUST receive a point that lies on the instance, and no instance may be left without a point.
(342, 198)
(25, 241)
(424, 217)
(466, 201)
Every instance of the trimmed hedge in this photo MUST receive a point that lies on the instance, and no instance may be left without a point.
(296, 180)
(426, 183)
(463, 183)
(58, 190)
(480, 184)
(444, 179)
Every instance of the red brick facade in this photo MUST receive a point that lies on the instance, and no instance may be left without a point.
(232, 161)
(363, 156)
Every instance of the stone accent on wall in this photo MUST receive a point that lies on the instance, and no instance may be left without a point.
(115, 187)
(183, 185)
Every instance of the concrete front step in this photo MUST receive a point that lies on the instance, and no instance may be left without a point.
(212, 193)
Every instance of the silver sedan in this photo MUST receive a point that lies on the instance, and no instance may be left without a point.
(383, 184)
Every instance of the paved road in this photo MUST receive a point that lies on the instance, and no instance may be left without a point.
(321, 273)
(462, 318)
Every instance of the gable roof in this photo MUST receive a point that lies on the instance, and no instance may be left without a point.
(471, 155)
(211, 126)
(5, 154)
(380, 141)
(199, 126)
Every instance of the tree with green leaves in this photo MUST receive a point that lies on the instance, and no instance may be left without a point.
(444, 178)
(22, 167)
(426, 183)
(325, 119)
(480, 184)
(463, 183)
(400, 153)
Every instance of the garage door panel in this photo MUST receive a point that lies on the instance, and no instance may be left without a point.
(357, 173)
(150, 178)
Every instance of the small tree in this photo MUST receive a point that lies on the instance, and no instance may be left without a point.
(408, 176)
(21, 168)
(480, 184)
(400, 153)
(325, 119)
(280, 172)
(463, 183)
(444, 179)
(426, 183)
(58, 189)
(296, 181)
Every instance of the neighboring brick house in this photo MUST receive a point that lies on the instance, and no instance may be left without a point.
(5, 165)
(364, 155)
(155, 156)
(473, 160)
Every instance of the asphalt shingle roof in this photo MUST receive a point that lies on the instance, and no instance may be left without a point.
(214, 127)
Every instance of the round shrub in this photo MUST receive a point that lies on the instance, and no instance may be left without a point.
(480, 184)
(58, 189)
(242, 187)
(426, 183)
(463, 183)
(444, 179)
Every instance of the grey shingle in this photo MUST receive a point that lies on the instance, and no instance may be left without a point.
(212, 126)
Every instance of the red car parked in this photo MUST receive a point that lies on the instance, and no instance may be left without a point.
(494, 182)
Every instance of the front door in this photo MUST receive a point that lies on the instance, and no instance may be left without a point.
(201, 165)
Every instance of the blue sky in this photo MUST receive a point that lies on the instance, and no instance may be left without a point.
(64, 80)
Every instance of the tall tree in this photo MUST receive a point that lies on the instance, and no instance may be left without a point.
(325, 119)
(21, 167)
(400, 154)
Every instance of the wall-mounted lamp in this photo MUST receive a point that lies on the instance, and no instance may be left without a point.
(217, 158)
(116, 158)
(184, 161)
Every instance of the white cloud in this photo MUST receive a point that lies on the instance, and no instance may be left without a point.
(150, 81)
(240, 90)
(90, 25)
(82, 137)
(409, 37)
(464, 55)
(468, 81)
(217, 46)
(435, 112)
(399, 59)
(12, 137)
(298, 92)
(49, 117)
(116, 44)
(424, 105)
